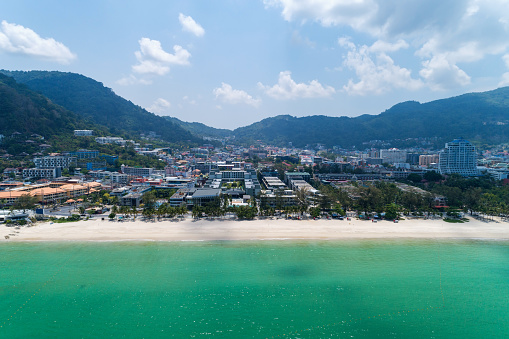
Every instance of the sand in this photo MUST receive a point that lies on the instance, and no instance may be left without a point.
(261, 229)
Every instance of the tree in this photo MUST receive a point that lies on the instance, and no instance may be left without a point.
(314, 212)
(432, 176)
(414, 177)
(391, 211)
(112, 215)
(25, 202)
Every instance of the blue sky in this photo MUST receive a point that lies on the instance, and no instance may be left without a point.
(229, 63)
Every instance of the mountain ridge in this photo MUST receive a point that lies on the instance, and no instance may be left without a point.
(482, 117)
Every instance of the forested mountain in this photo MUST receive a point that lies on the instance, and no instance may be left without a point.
(26, 112)
(481, 117)
(100, 104)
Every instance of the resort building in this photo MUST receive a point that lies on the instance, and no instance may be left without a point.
(459, 157)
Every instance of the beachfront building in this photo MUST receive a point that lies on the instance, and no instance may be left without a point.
(460, 157)
(279, 199)
(248, 178)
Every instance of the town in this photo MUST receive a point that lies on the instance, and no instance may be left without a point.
(220, 179)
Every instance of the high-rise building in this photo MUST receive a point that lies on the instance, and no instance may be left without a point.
(459, 156)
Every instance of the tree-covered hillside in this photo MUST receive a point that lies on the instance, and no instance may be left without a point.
(26, 112)
(100, 104)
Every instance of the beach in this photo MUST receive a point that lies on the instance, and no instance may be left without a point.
(261, 229)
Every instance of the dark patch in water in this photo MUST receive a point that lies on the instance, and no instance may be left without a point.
(294, 271)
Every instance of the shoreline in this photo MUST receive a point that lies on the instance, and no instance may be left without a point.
(191, 230)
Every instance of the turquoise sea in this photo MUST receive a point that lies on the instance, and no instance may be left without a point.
(269, 289)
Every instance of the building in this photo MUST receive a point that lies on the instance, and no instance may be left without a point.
(273, 183)
(48, 173)
(55, 161)
(248, 177)
(297, 175)
(393, 155)
(460, 157)
(280, 200)
(83, 132)
(137, 171)
(83, 154)
(428, 159)
(109, 140)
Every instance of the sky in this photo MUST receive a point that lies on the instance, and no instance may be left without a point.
(230, 63)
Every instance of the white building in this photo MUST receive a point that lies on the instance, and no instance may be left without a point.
(458, 157)
(83, 132)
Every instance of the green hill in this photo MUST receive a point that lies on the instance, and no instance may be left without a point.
(480, 117)
(101, 105)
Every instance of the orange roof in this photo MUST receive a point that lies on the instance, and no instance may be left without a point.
(46, 191)
(12, 194)
(70, 187)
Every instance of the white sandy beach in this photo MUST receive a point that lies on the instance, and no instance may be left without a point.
(263, 229)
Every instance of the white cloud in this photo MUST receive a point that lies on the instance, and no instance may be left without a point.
(189, 25)
(287, 88)
(17, 39)
(377, 73)
(154, 60)
(440, 74)
(384, 46)
(327, 12)
(227, 94)
(159, 106)
(445, 32)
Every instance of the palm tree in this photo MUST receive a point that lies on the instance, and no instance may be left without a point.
(134, 211)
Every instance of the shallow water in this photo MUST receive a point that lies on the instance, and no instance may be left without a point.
(308, 289)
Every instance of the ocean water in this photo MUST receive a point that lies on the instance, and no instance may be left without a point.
(269, 289)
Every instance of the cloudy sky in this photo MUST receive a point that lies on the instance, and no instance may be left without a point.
(229, 63)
